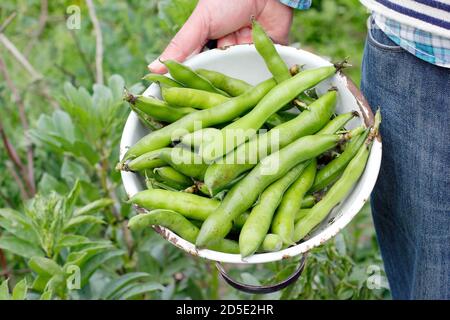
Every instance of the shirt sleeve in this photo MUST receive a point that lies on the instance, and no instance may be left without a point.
(297, 4)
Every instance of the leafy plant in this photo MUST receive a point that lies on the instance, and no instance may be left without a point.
(70, 241)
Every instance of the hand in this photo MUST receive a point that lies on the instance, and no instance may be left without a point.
(230, 23)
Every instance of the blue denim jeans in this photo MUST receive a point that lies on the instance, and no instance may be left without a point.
(411, 199)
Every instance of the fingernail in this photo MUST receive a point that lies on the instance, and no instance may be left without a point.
(156, 66)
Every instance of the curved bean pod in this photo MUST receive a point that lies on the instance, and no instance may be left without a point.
(341, 188)
(246, 191)
(157, 109)
(335, 195)
(189, 205)
(245, 157)
(234, 87)
(180, 225)
(192, 98)
(189, 78)
(184, 161)
(205, 118)
(301, 214)
(338, 123)
(258, 223)
(159, 78)
(147, 120)
(309, 201)
(278, 97)
(333, 169)
(149, 160)
(283, 222)
(279, 118)
(268, 52)
(200, 137)
(272, 242)
(172, 177)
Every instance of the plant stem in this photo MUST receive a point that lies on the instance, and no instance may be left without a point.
(29, 174)
(98, 42)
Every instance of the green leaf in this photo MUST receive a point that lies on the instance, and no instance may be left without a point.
(93, 207)
(72, 240)
(20, 290)
(57, 284)
(40, 282)
(116, 84)
(4, 291)
(83, 149)
(44, 266)
(48, 183)
(62, 123)
(96, 262)
(76, 221)
(115, 285)
(47, 295)
(72, 197)
(80, 257)
(72, 171)
(20, 247)
(18, 225)
(139, 289)
(248, 278)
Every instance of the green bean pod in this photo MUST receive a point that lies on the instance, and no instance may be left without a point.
(157, 109)
(149, 160)
(333, 169)
(283, 222)
(338, 123)
(272, 242)
(227, 111)
(268, 52)
(234, 87)
(189, 205)
(278, 97)
(189, 78)
(301, 214)
(337, 192)
(147, 120)
(246, 156)
(192, 98)
(308, 201)
(258, 223)
(184, 161)
(246, 191)
(335, 195)
(179, 225)
(172, 177)
(159, 78)
(200, 137)
(279, 118)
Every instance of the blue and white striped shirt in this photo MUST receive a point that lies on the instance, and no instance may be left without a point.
(421, 27)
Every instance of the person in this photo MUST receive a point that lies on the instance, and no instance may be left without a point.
(405, 71)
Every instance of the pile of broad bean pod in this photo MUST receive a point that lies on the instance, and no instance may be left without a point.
(252, 195)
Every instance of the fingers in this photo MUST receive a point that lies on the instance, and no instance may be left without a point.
(244, 35)
(276, 19)
(190, 39)
(228, 40)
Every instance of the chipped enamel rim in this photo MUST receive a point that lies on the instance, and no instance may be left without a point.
(244, 62)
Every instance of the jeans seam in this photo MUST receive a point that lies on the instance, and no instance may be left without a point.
(378, 45)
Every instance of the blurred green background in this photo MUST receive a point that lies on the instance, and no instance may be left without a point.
(57, 177)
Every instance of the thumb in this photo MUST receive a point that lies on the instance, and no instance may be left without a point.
(190, 39)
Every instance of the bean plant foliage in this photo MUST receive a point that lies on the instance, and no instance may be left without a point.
(63, 210)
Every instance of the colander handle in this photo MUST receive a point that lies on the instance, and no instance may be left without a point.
(263, 289)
